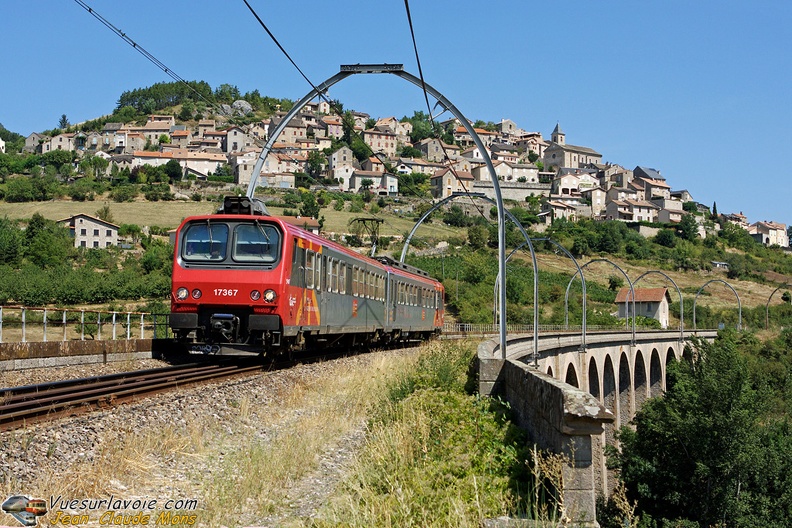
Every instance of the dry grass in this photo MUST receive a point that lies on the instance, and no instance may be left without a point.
(311, 419)
(143, 213)
(716, 295)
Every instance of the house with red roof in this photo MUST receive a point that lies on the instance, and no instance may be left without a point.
(649, 302)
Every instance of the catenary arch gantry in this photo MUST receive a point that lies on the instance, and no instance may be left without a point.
(398, 70)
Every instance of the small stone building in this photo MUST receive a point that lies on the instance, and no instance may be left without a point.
(649, 302)
(91, 232)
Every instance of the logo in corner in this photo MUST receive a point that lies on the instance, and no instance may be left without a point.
(24, 509)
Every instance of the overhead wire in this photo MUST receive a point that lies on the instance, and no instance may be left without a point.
(429, 110)
(176, 77)
(332, 104)
(140, 49)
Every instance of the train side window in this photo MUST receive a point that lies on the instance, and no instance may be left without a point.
(329, 271)
(318, 272)
(298, 266)
(342, 274)
(310, 262)
(354, 281)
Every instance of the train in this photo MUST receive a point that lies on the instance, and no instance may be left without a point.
(245, 282)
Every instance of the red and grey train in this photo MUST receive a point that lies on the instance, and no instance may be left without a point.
(247, 282)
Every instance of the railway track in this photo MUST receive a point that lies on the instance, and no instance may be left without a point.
(28, 404)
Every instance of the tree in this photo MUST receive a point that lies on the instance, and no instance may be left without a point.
(366, 183)
(477, 236)
(104, 213)
(63, 122)
(688, 228)
(173, 170)
(11, 243)
(315, 163)
(408, 151)
(665, 237)
(309, 207)
(714, 210)
(696, 453)
(532, 156)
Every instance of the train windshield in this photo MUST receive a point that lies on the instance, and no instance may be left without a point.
(257, 243)
(205, 241)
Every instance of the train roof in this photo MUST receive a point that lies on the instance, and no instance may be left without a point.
(388, 261)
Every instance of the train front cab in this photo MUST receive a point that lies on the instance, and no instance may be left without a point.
(226, 291)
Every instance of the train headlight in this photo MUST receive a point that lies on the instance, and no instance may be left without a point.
(270, 296)
(182, 293)
(255, 295)
(196, 294)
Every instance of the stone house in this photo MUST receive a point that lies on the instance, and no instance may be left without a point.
(597, 197)
(204, 126)
(34, 142)
(631, 211)
(380, 181)
(90, 232)
(181, 138)
(340, 158)
(671, 211)
(532, 141)
(528, 171)
(277, 180)
(444, 183)
(502, 170)
(464, 139)
(554, 210)
(769, 233)
(381, 140)
(294, 130)
(653, 188)
(373, 164)
(561, 154)
(236, 140)
(59, 142)
(416, 165)
(649, 302)
(243, 163)
(335, 128)
(435, 150)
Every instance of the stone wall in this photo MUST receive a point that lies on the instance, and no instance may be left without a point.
(15, 356)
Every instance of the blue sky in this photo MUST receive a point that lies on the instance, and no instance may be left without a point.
(698, 90)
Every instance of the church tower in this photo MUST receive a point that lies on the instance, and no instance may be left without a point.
(558, 135)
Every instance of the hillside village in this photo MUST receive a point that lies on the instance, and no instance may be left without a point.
(568, 180)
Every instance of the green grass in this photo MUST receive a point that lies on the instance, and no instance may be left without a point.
(437, 455)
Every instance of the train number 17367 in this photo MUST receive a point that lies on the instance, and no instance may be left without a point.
(223, 292)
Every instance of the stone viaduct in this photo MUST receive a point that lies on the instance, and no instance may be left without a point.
(572, 400)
